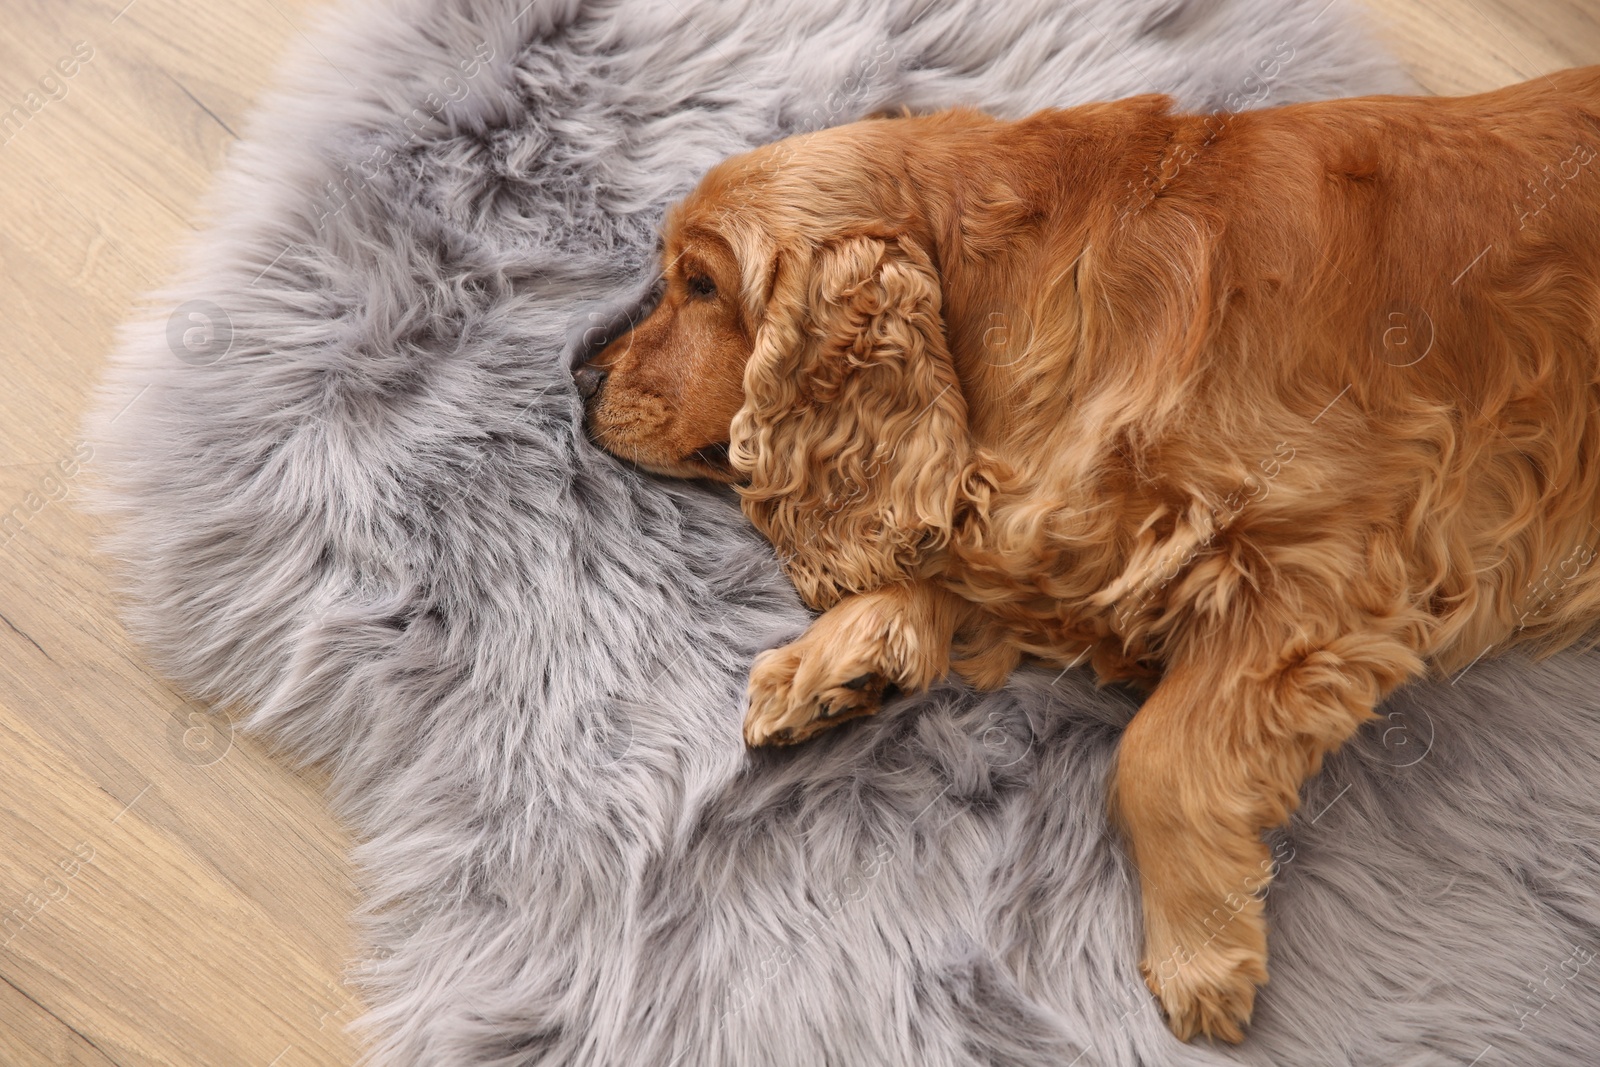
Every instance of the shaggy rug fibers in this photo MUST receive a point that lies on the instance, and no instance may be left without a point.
(350, 490)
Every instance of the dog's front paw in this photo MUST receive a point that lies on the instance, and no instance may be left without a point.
(793, 696)
(852, 658)
(1209, 990)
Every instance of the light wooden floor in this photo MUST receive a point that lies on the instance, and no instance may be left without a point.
(168, 893)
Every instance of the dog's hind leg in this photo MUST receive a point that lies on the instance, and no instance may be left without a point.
(1217, 754)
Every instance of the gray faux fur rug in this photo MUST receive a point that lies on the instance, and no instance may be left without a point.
(350, 491)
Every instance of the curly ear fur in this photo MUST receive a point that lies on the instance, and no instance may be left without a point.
(854, 427)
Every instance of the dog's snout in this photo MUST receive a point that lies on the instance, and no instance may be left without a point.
(588, 380)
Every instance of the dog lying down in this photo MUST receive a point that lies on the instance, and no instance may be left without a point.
(1271, 411)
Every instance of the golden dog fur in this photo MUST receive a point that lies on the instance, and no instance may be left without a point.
(1272, 410)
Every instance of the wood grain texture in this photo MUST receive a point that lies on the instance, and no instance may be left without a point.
(1468, 46)
(169, 893)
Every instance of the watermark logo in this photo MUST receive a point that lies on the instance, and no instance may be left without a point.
(199, 332)
(54, 486)
(1006, 747)
(1540, 994)
(1553, 181)
(605, 734)
(1404, 335)
(595, 325)
(52, 86)
(1252, 889)
(54, 887)
(1007, 338)
(1406, 736)
(1253, 91)
(198, 737)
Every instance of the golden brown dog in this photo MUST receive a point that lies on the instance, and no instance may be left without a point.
(1271, 409)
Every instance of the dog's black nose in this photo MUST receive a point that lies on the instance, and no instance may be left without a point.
(588, 379)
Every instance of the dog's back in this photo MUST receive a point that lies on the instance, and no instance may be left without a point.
(1400, 294)
(1462, 286)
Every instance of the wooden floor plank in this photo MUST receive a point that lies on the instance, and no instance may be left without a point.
(1469, 46)
(210, 926)
(29, 1034)
(99, 931)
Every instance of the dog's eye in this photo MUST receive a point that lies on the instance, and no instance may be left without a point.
(702, 287)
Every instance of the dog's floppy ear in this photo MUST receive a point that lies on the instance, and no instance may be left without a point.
(853, 431)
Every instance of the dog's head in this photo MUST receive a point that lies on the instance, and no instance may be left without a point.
(798, 352)
(664, 393)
